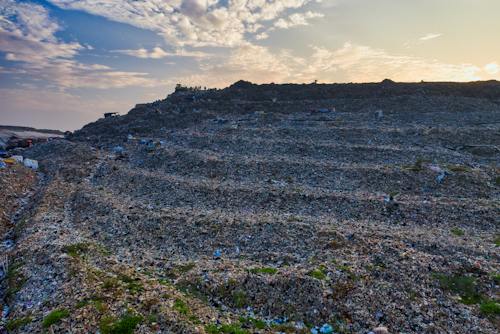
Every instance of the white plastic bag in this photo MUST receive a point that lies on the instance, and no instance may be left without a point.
(33, 164)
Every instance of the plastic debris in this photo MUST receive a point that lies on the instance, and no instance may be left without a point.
(18, 158)
(435, 168)
(380, 330)
(9, 161)
(3, 154)
(326, 329)
(217, 254)
(130, 137)
(30, 163)
(2, 164)
(440, 178)
(118, 150)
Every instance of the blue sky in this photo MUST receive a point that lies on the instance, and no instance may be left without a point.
(63, 63)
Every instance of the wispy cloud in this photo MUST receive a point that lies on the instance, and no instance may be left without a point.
(429, 37)
(195, 22)
(297, 19)
(492, 68)
(349, 63)
(158, 53)
(28, 37)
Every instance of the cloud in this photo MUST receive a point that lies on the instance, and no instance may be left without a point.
(195, 22)
(429, 37)
(349, 63)
(158, 53)
(492, 68)
(28, 37)
(297, 19)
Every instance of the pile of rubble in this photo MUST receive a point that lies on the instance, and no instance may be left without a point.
(338, 209)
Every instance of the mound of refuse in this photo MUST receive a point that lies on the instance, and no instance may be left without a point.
(356, 208)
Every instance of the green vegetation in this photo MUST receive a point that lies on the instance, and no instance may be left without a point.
(54, 317)
(133, 284)
(239, 299)
(15, 279)
(497, 241)
(319, 273)
(464, 286)
(178, 270)
(458, 232)
(252, 322)
(75, 250)
(418, 166)
(458, 168)
(125, 325)
(490, 308)
(18, 323)
(226, 329)
(264, 270)
(181, 306)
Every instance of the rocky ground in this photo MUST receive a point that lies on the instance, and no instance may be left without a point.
(241, 211)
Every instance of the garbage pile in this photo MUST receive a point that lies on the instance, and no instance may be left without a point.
(335, 209)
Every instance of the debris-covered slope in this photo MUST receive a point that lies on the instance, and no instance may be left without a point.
(244, 211)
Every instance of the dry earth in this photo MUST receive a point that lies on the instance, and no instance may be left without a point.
(226, 212)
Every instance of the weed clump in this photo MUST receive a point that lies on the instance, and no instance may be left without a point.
(18, 323)
(319, 273)
(464, 286)
(490, 307)
(125, 325)
(226, 329)
(457, 231)
(181, 306)
(264, 270)
(54, 317)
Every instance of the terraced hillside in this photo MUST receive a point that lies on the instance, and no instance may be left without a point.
(242, 211)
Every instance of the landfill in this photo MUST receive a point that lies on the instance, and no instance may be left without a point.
(263, 209)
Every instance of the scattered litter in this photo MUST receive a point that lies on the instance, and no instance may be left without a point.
(440, 177)
(7, 244)
(118, 150)
(326, 329)
(18, 158)
(3, 154)
(380, 330)
(435, 168)
(217, 254)
(130, 137)
(2, 164)
(9, 161)
(30, 163)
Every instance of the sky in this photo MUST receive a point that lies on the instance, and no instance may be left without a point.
(63, 63)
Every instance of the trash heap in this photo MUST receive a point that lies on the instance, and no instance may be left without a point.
(269, 209)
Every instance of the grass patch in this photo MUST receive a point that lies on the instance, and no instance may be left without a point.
(54, 317)
(226, 329)
(252, 322)
(490, 308)
(15, 279)
(239, 299)
(497, 241)
(75, 250)
(264, 270)
(181, 306)
(133, 284)
(179, 270)
(319, 273)
(418, 166)
(458, 168)
(457, 231)
(124, 325)
(464, 286)
(18, 323)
